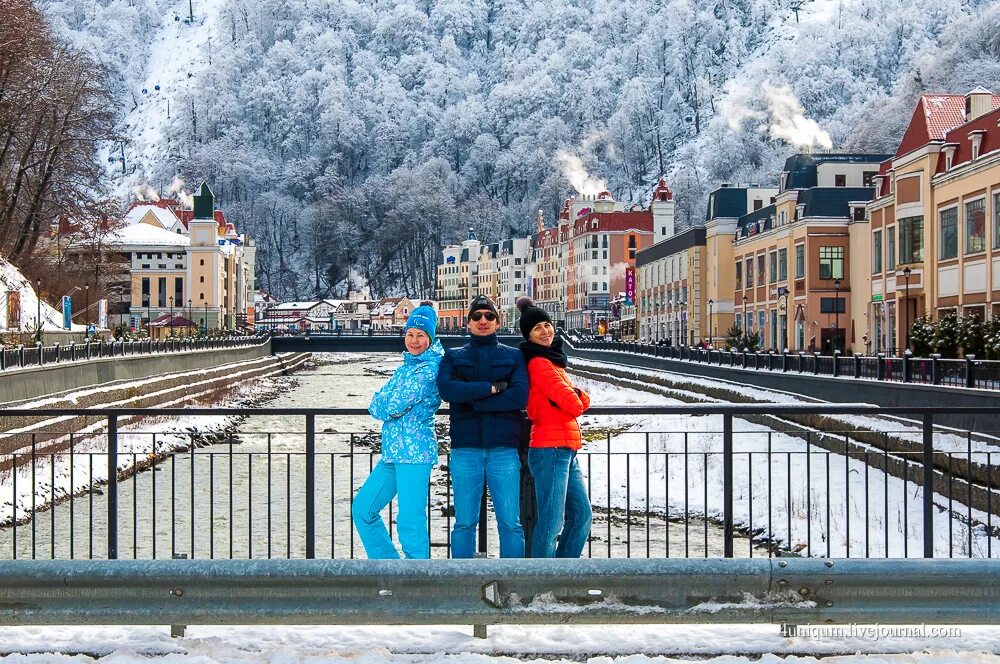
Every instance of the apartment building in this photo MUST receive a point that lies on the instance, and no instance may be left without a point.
(791, 276)
(934, 237)
(670, 287)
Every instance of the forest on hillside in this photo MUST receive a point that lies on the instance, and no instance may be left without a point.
(352, 138)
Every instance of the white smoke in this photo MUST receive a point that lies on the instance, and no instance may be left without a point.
(784, 119)
(576, 173)
(618, 270)
(177, 190)
(144, 192)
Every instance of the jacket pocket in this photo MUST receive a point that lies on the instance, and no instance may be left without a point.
(502, 370)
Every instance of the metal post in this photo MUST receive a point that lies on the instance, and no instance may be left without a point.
(836, 363)
(727, 483)
(112, 487)
(970, 371)
(907, 367)
(310, 485)
(928, 485)
(936, 368)
(880, 367)
(906, 277)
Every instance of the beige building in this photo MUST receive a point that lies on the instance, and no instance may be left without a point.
(792, 281)
(935, 225)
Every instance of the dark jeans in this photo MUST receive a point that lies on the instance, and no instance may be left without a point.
(563, 519)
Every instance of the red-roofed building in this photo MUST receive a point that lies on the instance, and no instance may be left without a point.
(935, 223)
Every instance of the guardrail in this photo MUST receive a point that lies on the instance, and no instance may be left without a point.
(789, 591)
(35, 356)
(720, 485)
(933, 370)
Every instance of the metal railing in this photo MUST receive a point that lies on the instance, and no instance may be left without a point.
(788, 591)
(20, 357)
(94, 483)
(933, 370)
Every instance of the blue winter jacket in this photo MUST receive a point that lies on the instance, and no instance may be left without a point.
(465, 380)
(406, 405)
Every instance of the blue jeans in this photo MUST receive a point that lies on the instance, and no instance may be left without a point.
(411, 481)
(563, 507)
(500, 469)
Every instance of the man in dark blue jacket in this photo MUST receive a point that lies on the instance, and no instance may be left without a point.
(486, 384)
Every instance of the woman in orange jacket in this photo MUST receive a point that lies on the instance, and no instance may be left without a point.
(564, 515)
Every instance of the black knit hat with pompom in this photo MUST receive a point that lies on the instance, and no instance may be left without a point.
(530, 315)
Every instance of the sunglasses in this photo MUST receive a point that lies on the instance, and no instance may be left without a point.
(476, 316)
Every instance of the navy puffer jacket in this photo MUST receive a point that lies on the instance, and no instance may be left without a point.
(465, 380)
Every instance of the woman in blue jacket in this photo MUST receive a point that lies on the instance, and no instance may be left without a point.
(406, 406)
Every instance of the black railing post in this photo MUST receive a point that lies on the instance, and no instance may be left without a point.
(928, 485)
(3, 359)
(481, 548)
(112, 487)
(727, 483)
(857, 365)
(310, 485)
(802, 361)
(744, 358)
(815, 363)
(936, 368)
(836, 363)
(20, 356)
(880, 366)
(907, 368)
(970, 370)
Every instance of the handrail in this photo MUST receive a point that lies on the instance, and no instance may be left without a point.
(782, 590)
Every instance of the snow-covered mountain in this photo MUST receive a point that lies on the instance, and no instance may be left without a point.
(365, 133)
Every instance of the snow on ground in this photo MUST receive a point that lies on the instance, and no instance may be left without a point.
(632, 644)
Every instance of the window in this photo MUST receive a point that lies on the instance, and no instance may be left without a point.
(739, 275)
(774, 266)
(949, 233)
(831, 305)
(161, 292)
(749, 272)
(877, 252)
(911, 239)
(839, 180)
(782, 264)
(996, 219)
(831, 262)
(868, 179)
(760, 270)
(757, 204)
(975, 226)
(800, 261)
(145, 291)
(890, 249)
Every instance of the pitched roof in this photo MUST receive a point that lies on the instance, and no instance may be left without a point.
(610, 222)
(960, 137)
(933, 117)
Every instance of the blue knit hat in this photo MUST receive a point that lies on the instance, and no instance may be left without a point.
(424, 318)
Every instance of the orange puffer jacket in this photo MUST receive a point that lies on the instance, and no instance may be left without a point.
(553, 406)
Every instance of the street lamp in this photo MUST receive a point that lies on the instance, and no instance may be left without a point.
(190, 315)
(743, 324)
(906, 303)
(711, 335)
(38, 310)
(171, 299)
(86, 314)
(836, 315)
(206, 318)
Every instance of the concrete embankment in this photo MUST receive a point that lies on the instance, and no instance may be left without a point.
(220, 371)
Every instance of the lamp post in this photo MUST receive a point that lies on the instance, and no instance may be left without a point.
(906, 303)
(38, 309)
(711, 336)
(190, 315)
(206, 318)
(171, 299)
(836, 315)
(123, 297)
(784, 328)
(86, 314)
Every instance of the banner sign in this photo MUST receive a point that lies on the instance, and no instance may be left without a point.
(14, 310)
(67, 307)
(102, 313)
(630, 286)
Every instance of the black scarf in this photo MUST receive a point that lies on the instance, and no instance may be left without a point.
(554, 353)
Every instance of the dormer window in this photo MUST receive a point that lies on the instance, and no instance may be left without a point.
(949, 155)
(976, 137)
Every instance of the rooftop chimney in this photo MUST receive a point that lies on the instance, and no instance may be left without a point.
(978, 102)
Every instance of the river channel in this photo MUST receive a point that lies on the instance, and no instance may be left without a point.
(243, 496)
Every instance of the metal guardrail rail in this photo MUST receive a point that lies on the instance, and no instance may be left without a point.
(484, 592)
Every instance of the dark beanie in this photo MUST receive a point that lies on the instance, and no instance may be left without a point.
(530, 315)
(483, 302)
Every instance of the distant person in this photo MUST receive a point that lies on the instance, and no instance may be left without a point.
(562, 526)
(487, 386)
(406, 405)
